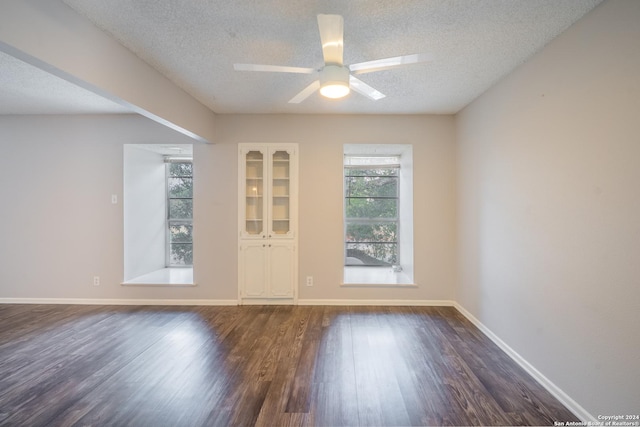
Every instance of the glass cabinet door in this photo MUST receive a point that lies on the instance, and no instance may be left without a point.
(280, 224)
(254, 193)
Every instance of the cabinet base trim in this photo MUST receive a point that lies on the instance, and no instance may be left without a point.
(264, 301)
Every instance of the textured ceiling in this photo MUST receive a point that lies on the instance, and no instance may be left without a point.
(195, 43)
(25, 89)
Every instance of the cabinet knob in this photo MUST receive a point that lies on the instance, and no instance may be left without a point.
(264, 246)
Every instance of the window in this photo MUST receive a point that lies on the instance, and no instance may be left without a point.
(179, 248)
(157, 204)
(378, 214)
(371, 210)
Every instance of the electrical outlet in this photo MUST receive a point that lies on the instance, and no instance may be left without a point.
(309, 280)
(114, 199)
(96, 280)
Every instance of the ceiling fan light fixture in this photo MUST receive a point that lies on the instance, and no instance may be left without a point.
(334, 81)
(335, 91)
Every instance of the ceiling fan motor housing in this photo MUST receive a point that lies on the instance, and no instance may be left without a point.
(332, 76)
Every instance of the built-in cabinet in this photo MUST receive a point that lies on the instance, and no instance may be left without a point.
(268, 207)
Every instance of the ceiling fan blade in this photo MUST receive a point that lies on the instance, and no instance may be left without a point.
(305, 93)
(364, 89)
(331, 35)
(272, 68)
(384, 64)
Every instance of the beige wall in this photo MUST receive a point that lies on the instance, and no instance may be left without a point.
(63, 230)
(321, 140)
(549, 202)
(59, 227)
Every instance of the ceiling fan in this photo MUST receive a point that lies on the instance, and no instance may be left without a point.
(336, 79)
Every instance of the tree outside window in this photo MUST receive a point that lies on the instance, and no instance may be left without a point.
(371, 212)
(179, 213)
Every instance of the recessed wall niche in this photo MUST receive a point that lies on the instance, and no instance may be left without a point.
(147, 239)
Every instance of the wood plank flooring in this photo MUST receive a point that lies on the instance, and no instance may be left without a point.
(258, 365)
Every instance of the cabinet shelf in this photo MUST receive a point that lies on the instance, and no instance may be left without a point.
(267, 204)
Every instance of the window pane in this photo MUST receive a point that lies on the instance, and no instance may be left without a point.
(181, 254)
(373, 254)
(381, 232)
(180, 213)
(372, 208)
(181, 233)
(180, 209)
(371, 186)
(181, 187)
(180, 169)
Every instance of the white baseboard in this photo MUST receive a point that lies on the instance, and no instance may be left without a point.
(87, 301)
(563, 397)
(84, 301)
(389, 302)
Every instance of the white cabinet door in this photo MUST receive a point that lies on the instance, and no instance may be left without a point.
(282, 190)
(253, 270)
(267, 270)
(268, 209)
(253, 192)
(281, 269)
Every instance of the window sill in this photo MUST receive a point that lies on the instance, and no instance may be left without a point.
(375, 276)
(378, 285)
(164, 277)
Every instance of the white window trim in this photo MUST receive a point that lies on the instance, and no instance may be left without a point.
(376, 276)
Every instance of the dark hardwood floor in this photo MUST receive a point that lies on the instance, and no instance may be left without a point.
(244, 366)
